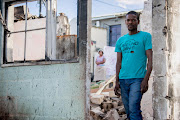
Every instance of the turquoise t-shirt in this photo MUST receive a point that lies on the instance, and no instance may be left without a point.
(134, 59)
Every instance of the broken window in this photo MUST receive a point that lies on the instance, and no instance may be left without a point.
(26, 22)
(40, 31)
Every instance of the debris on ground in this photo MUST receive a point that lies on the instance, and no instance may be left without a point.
(105, 105)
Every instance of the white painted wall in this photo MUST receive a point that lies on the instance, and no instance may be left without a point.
(100, 36)
(73, 26)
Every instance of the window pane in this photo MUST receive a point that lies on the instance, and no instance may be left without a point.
(16, 17)
(36, 15)
(37, 8)
(18, 46)
(34, 24)
(35, 41)
(35, 45)
(66, 31)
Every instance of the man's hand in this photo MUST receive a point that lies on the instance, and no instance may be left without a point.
(117, 89)
(144, 86)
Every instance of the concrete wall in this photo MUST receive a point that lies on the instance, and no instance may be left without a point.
(160, 65)
(49, 92)
(173, 19)
(146, 17)
(146, 25)
(166, 33)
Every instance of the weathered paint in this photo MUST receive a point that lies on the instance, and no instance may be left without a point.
(50, 92)
(160, 84)
(173, 29)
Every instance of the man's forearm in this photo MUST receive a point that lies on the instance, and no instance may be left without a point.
(149, 70)
(118, 67)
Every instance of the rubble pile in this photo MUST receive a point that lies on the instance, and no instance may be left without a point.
(105, 105)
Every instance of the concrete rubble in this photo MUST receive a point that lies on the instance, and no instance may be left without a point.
(105, 105)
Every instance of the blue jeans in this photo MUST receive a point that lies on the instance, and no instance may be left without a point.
(131, 97)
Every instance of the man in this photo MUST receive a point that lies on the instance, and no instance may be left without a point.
(133, 50)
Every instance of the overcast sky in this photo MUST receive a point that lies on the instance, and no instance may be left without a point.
(103, 7)
(99, 7)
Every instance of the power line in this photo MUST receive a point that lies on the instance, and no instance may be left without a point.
(110, 4)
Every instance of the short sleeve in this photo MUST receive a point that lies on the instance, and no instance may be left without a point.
(148, 42)
(118, 47)
(104, 57)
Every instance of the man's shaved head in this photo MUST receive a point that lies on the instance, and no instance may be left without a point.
(134, 13)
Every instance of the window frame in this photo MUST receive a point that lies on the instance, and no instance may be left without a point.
(45, 61)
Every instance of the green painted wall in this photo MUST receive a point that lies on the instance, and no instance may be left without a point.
(46, 92)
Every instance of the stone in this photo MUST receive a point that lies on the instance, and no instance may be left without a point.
(115, 104)
(107, 106)
(117, 99)
(112, 94)
(105, 93)
(121, 110)
(97, 99)
(123, 117)
(96, 113)
(112, 115)
(107, 99)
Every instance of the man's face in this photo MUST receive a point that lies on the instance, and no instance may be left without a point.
(132, 22)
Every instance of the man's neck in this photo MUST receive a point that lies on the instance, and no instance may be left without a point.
(133, 32)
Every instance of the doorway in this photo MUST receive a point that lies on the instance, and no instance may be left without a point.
(115, 33)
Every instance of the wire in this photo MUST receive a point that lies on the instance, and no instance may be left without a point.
(110, 4)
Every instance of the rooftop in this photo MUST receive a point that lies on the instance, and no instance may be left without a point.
(113, 15)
